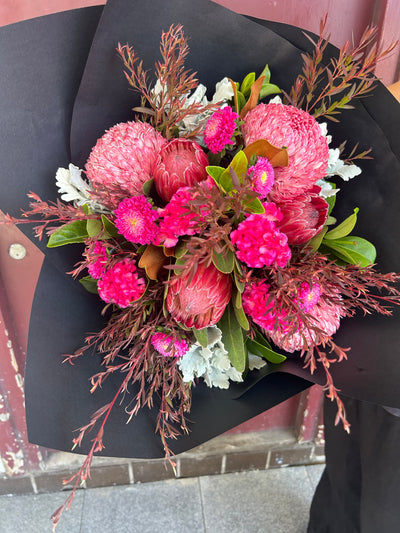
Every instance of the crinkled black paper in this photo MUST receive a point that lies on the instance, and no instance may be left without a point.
(62, 85)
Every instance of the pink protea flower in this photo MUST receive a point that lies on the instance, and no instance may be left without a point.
(97, 259)
(164, 345)
(180, 163)
(199, 302)
(262, 175)
(177, 219)
(308, 151)
(303, 216)
(325, 315)
(124, 157)
(135, 220)
(121, 284)
(220, 129)
(259, 243)
(261, 308)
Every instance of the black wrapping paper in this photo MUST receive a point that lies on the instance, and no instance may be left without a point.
(59, 98)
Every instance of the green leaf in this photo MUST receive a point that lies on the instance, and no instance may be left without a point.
(201, 336)
(241, 317)
(254, 206)
(90, 284)
(239, 164)
(224, 261)
(147, 186)
(86, 209)
(241, 100)
(232, 338)
(215, 173)
(264, 351)
(353, 250)
(267, 89)
(239, 284)
(345, 228)
(266, 73)
(316, 241)
(93, 227)
(109, 227)
(68, 234)
(245, 88)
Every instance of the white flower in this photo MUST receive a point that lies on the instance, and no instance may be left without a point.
(223, 91)
(275, 100)
(255, 362)
(73, 188)
(326, 189)
(211, 363)
(337, 167)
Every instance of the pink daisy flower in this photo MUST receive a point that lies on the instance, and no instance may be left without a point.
(284, 125)
(121, 284)
(162, 342)
(259, 243)
(135, 220)
(262, 174)
(97, 260)
(219, 129)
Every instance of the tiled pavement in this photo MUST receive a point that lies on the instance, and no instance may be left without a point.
(260, 501)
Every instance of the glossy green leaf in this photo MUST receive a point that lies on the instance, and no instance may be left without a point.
(215, 172)
(232, 338)
(353, 250)
(316, 241)
(109, 227)
(264, 351)
(147, 186)
(201, 336)
(267, 89)
(241, 317)
(344, 229)
(93, 227)
(248, 81)
(254, 206)
(90, 284)
(239, 284)
(68, 234)
(224, 261)
(241, 101)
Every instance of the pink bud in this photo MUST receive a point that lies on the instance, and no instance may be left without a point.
(201, 301)
(180, 163)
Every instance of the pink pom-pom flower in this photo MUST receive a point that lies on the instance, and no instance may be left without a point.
(258, 241)
(124, 158)
(308, 151)
(121, 284)
(201, 301)
(220, 129)
(180, 163)
(135, 220)
(97, 259)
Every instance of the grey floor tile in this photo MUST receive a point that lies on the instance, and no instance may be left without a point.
(31, 513)
(172, 506)
(314, 472)
(268, 501)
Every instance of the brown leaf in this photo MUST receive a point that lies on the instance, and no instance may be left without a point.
(152, 260)
(253, 100)
(278, 157)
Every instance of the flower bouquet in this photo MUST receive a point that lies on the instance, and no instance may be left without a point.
(208, 232)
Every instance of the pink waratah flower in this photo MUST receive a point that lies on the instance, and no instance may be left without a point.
(178, 219)
(121, 284)
(219, 129)
(262, 174)
(124, 157)
(303, 216)
(135, 220)
(199, 302)
(180, 163)
(325, 315)
(284, 125)
(162, 342)
(97, 260)
(259, 243)
(261, 308)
